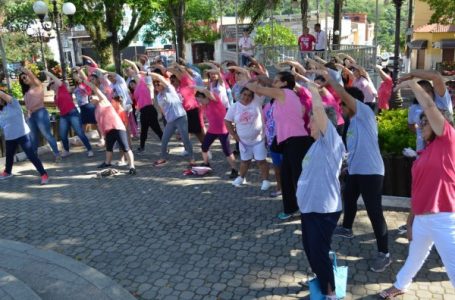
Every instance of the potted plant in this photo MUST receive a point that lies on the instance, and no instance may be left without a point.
(394, 136)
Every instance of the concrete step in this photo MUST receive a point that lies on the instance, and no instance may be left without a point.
(12, 288)
(54, 276)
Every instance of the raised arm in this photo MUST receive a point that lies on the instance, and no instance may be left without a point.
(54, 78)
(381, 73)
(97, 92)
(275, 93)
(299, 68)
(5, 97)
(435, 117)
(89, 59)
(206, 92)
(319, 115)
(435, 77)
(32, 76)
(161, 79)
(347, 99)
(132, 64)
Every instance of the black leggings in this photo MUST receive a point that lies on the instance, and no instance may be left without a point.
(370, 187)
(294, 150)
(149, 118)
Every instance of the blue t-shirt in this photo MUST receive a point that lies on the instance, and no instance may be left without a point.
(414, 112)
(12, 121)
(170, 103)
(318, 188)
(364, 157)
(444, 102)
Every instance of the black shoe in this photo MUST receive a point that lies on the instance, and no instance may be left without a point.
(140, 150)
(132, 171)
(104, 165)
(234, 174)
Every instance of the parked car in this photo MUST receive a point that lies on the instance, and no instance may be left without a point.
(391, 61)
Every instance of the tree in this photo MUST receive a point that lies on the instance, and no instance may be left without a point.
(443, 11)
(104, 21)
(273, 35)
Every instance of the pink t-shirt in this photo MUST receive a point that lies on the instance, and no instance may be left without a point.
(305, 98)
(34, 99)
(288, 116)
(229, 77)
(433, 176)
(385, 92)
(330, 100)
(215, 113)
(187, 91)
(142, 94)
(63, 100)
(108, 119)
(306, 42)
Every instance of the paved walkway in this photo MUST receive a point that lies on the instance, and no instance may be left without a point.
(165, 236)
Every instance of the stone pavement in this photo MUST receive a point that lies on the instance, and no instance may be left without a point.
(161, 235)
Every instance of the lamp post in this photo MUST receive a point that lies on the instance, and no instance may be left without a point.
(37, 36)
(396, 101)
(40, 8)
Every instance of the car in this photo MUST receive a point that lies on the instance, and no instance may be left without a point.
(391, 61)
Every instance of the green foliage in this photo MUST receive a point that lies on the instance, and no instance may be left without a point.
(393, 132)
(277, 34)
(443, 11)
(16, 90)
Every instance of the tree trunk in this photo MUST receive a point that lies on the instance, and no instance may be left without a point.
(179, 29)
(116, 53)
(337, 23)
(304, 12)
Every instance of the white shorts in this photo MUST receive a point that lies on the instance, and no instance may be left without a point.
(256, 151)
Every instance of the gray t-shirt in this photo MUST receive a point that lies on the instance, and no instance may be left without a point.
(364, 157)
(318, 188)
(444, 102)
(170, 103)
(12, 121)
(121, 89)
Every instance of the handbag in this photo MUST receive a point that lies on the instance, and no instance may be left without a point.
(341, 280)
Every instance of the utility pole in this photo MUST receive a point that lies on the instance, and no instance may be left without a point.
(338, 4)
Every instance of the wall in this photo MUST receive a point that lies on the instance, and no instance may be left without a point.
(432, 55)
(422, 13)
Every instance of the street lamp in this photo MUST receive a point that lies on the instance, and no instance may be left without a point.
(396, 101)
(41, 10)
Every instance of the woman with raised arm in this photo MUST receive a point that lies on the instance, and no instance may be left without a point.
(432, 217)
(172, 109)
(290, 133)
(38, 116)
(112, 128)
(362, 82)
(385, 89)
(69, 115)
(17, 132)
(318, 192)
(365, 171)
(215, 113)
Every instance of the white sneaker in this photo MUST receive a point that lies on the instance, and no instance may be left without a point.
(239, 181)
(122, 163)
(65, 153)
(265, 185)
(90, 153)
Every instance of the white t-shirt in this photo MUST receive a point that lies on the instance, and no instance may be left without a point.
(248, 121)
(246, 42)
(321, 40)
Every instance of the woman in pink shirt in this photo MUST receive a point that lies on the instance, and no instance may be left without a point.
(432, 218)
(215, 113)
(69, 115)
(38, 116)
(112, 128)
(385, 89)
(291, 135)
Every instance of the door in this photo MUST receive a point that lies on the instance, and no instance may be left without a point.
(448, 55)
(420, 59)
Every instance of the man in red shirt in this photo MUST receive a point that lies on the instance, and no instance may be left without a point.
(306, 41)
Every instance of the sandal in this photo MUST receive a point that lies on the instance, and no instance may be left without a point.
(390, 293)
(160, 162)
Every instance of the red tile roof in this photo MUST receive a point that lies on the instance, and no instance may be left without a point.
(435, 28)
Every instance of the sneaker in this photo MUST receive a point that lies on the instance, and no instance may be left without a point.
(121, 163)
(381, 262)
(90, 153)
(234, 174)
(5, 175)
(403, 229)
(65, 153)
(343, 232)
(306, 282)
(160, 162)
(104, 165)
(44, 179)
(239, 181)
(275, 194)
(283, 216)
(132, 171)
(265, 185)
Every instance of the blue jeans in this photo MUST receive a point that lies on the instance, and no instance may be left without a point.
(39, 122)
(72, 119)
(26, 145)
(245, 60)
